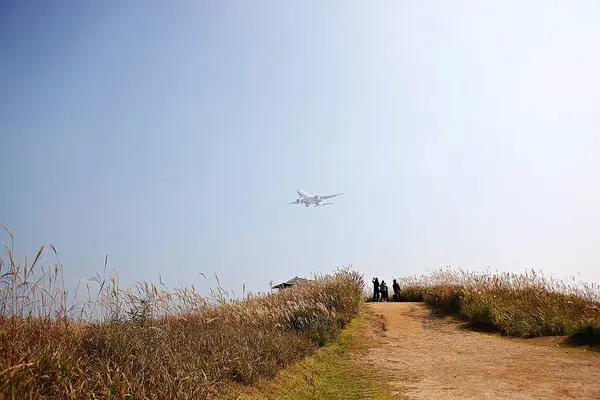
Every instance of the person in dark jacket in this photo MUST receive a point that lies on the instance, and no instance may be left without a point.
(396, 289)
(375, 289)
(384, 291)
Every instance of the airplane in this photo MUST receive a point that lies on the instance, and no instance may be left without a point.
(316, 200)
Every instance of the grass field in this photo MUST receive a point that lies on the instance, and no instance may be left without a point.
(524, 305)
(148, 342)
(151, 342)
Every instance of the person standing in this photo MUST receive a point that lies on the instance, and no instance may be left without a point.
(396, 289)
(383, 289)
(375, 289)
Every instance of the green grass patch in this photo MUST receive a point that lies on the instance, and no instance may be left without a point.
(333, 372)
(588, 334)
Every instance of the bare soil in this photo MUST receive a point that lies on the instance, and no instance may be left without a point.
(427, 357)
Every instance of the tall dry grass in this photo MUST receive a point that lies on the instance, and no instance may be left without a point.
(524, 305)
(150, 342)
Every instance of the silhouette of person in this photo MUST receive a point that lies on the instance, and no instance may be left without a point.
(384, 291)
(375, 289)
(396, 289)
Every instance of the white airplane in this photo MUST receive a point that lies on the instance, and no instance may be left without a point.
(316, 200)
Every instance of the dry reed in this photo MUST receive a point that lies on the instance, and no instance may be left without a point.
(524, 305)
(155, 343)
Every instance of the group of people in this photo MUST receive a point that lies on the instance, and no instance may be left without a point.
(380, 290)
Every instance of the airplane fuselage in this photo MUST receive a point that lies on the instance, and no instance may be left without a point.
(306, 198)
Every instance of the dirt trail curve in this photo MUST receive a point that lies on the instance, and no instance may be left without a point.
(433, 358)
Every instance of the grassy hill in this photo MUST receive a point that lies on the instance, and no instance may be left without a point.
(523, 305)
(151, 343)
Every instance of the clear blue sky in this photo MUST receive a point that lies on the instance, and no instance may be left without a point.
(173, 135)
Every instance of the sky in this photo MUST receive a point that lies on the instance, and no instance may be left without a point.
(172, 136)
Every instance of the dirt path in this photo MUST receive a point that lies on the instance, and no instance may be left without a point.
(433, 358)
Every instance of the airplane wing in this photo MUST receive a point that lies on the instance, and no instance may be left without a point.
(330, 196)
